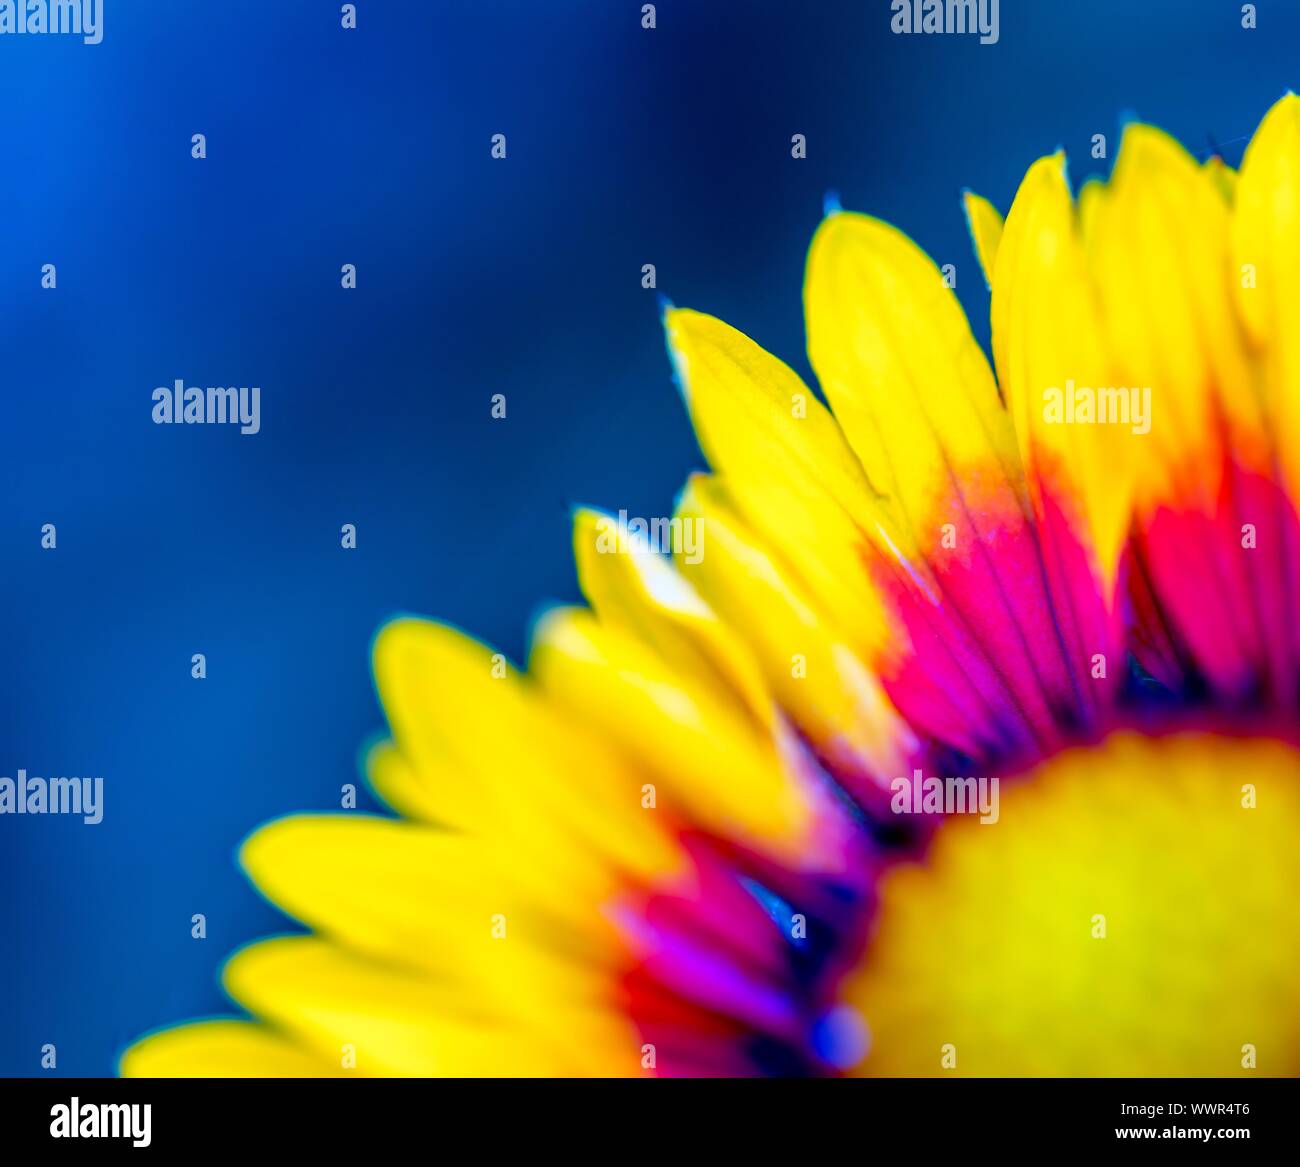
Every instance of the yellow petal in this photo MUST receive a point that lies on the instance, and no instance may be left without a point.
(985, 224)
(1224, 178)
(1047, 336)
(1159, 247)
(395, 780)
(914, 394)
(501, 764)
(638, 590)
(710, 765)
(1091, 195)
(426, 896)
(908, 384)
(391, 1021)
(223, 1049)
(788, 466)
(1266, 270)
(820, 681)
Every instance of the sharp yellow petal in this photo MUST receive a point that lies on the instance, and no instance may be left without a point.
(908, 384)
(756, 419)
(787, 463)
(1048, 344)
(1159, 247)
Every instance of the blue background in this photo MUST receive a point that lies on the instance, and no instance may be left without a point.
(476, 277)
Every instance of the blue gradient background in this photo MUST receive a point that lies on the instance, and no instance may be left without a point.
(476, 277)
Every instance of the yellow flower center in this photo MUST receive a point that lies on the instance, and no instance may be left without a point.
(1134, 911)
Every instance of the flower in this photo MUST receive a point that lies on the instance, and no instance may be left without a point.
(671, 846)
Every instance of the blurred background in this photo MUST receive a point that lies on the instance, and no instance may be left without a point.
(475, 277)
